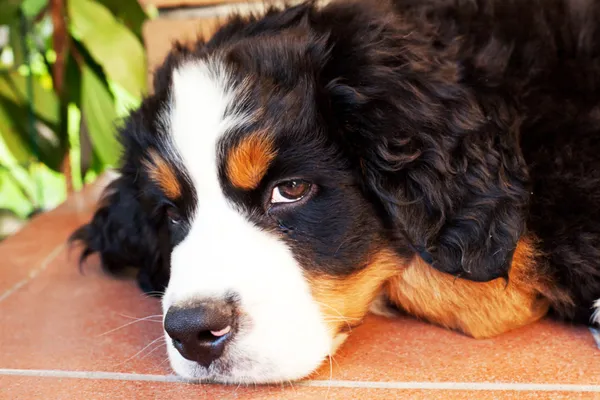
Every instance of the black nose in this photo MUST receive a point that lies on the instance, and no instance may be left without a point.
(201, 331)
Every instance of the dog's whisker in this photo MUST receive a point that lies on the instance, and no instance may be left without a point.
(160, 345)
(164, 361)
(330, 307)
(148, 319)
(330, 375)
(344, 241)
(142, 350)
(292, 385)
(343, 317)
(335, 361)
(138, 318)
(328, 319)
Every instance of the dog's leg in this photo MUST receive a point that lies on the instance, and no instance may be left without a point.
(478, 309)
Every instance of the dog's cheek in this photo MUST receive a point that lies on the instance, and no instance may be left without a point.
(345, 300)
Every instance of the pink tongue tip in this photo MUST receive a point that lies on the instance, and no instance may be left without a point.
(222, 332)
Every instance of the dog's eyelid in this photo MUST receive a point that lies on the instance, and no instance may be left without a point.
(173, 214)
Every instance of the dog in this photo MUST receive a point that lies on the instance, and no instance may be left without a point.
(314, 162)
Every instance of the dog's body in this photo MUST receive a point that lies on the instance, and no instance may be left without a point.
(442, 154)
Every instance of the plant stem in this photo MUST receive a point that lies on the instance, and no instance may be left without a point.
(60, 43)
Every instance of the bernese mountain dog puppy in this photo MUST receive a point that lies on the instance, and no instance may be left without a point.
(438, 156)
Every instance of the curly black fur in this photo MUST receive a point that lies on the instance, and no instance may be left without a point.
(126, 229)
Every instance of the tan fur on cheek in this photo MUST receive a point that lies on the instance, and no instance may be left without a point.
(479, 309)
(163, 175)
(248, 162)
(344, 301)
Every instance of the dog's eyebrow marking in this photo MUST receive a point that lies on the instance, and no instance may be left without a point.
(249, 160)
(163, 175)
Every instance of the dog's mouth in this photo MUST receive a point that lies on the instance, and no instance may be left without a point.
(239, 365)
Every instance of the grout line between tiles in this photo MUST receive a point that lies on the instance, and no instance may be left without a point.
(596, 336)
(517, 387)
(34, 272)
(474, 386)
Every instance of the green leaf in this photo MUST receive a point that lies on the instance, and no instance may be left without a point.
(14, 37)
(13, 137)
(88, 60)
(16, 122)
(31, 8)
(98, 111)
(130, 13)
(13, 86)
(17, 171)
(72, 81)
(12, 196)
(9, 10)
(51, 187)
(74, 116)
(125, 103)
(111, 44)
(16, 125)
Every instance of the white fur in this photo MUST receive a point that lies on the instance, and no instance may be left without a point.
(596, 314)
(285, 337)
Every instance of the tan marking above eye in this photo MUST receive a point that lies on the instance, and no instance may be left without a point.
(163, 175)
(248, 162)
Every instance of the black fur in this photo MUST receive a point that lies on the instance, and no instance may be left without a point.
(127, 230)
(464, 124)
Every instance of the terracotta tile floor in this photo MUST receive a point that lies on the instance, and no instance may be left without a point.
(68, 335)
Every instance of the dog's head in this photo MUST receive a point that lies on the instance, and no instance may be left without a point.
(284, 170)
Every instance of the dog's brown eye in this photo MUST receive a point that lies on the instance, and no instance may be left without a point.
(290, 191)
(173, 215)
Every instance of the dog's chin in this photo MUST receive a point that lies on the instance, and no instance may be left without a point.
(236, 367)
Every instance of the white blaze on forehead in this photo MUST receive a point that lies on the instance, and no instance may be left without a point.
(199, 100)
(223, 253)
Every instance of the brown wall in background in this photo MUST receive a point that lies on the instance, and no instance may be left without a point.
(159, 35)
(185, 21)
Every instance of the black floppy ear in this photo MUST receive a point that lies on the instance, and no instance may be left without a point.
(442, 163)
(454, 184)
(462, 208)
(126, 238)
(444, 166)
(126, 231)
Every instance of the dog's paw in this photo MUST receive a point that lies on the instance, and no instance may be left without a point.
(595, 320)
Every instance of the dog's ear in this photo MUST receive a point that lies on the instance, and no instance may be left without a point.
(126, 238)
(455, 187)
(460, 205)
(126, 230)
(444, 164)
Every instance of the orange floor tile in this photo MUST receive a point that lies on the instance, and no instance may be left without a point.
(71, 335)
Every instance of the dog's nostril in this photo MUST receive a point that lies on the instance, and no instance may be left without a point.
(177, 344)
